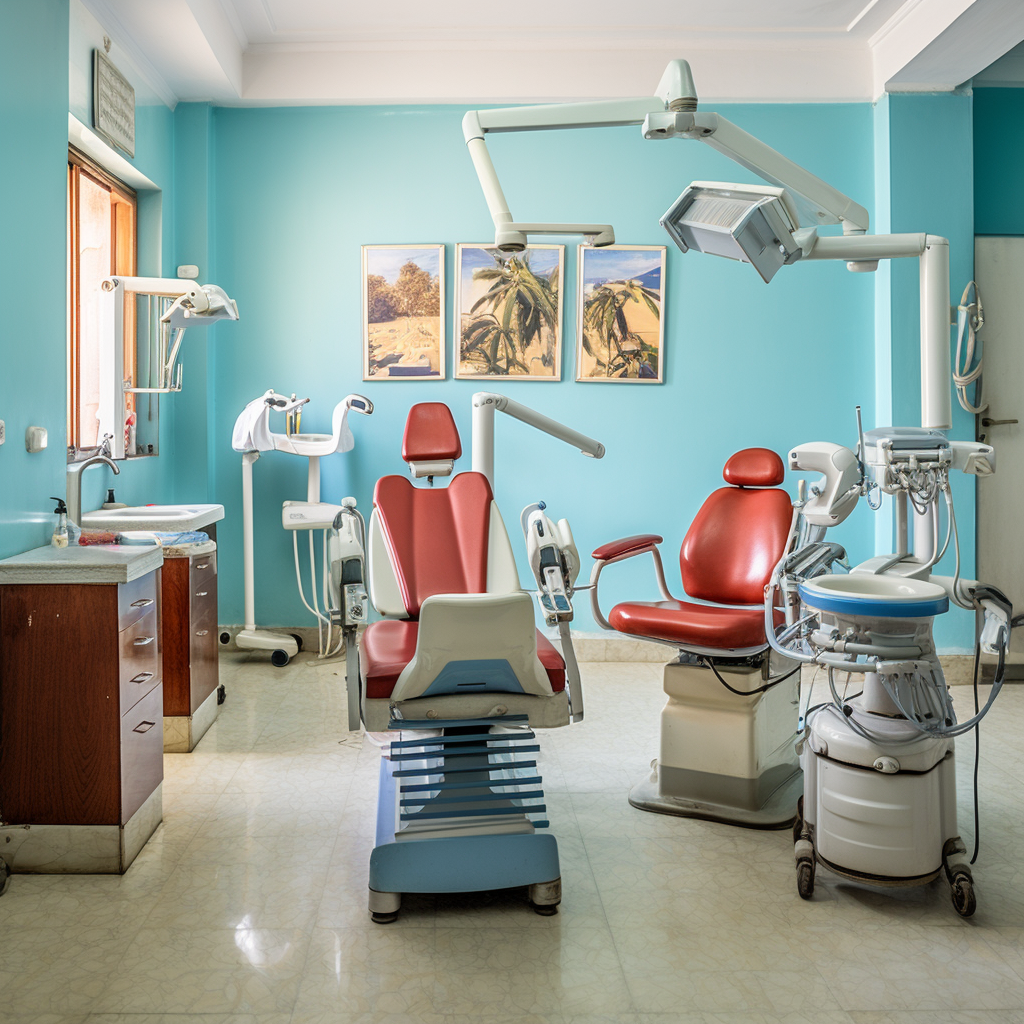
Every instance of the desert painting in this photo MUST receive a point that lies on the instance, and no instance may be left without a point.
(403, 312)
(620, 322)
(509, 310)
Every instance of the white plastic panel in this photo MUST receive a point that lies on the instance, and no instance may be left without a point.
(385, 592)
(502, 575)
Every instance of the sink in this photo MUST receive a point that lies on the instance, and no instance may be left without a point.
(149, 512)
(160, 518)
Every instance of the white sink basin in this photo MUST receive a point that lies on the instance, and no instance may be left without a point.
(160, 518)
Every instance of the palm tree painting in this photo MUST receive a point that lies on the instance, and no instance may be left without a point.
(621, 324)
(509, 310)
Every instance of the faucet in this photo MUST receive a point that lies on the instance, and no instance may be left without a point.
(75, 471)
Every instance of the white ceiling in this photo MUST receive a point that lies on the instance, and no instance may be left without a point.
(266, 52)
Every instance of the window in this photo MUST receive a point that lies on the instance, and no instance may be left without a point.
(101, 242)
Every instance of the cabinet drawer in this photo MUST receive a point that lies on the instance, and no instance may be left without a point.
(137, 598)
(142, 751)
(203, 601)
(140, 660)
(203, 570)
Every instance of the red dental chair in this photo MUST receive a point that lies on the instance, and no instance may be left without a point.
(728, 729)
(459, 675)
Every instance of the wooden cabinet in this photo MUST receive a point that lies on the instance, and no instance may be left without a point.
(190, 647)
(80, 701)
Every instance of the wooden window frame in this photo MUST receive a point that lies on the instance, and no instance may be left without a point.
(124, 261)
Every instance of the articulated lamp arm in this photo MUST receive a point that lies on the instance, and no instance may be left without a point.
(486, 403)
(670, 113)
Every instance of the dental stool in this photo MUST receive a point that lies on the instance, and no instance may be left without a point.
(728, 730)
(458, 672)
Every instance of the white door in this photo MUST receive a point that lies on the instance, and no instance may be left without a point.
(999, 271)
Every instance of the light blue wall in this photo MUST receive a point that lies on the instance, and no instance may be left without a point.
(149, 479)
(297, 191)
(33, 94)
(926, 184)
(998, 161)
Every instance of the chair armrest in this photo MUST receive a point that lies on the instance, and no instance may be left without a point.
(626, 547)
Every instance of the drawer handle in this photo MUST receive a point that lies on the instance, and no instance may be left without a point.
(203, 565)
(142, 602)
(201, 593)
(143, 641)
(141, 677)
(202, 632)
(144, 727)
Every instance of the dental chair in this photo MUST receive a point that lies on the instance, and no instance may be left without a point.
(458, 673)
(728, 729)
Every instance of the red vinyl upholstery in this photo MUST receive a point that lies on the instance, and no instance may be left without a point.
(388, 646)
(727, 555)
(626, 546)
(754, 467)
(733, 543)
(437, 536)
(697, 625)
(430, 434)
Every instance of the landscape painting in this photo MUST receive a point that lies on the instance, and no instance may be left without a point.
(403, 312)
(509, 310)
(621, 321)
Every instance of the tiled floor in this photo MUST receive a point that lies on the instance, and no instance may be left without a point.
(249, 904)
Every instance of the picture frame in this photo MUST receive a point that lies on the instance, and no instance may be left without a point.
(527, 343)
(403, 312)
(620, 317)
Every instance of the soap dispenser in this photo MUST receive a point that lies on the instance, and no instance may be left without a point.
(60, 531)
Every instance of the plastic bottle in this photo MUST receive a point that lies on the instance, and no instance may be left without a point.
(60, 531)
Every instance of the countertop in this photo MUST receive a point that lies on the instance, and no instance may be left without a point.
(153, 517)
(101, 563)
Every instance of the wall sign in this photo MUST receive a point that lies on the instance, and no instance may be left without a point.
(113, 104)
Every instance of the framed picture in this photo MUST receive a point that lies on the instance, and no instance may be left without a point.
(621, 318)
(509, 312)
(403, 312)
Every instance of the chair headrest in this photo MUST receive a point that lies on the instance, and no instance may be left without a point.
(431, 441)
(754, 467)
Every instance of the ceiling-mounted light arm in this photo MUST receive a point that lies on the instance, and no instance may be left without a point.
(670, 113)
(816, 201)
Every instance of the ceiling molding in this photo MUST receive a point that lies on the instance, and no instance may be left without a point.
(231, 14)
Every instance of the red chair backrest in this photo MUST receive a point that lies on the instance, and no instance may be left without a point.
(738, 536)
(437, 537)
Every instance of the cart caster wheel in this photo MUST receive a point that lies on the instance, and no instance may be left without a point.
(384, 918)
(225, 638)
(5, 877)
(805, 879)
(297, 639)
(545, 909)
(279, 658)
(962, 891)
(798, 825)
(222, 694)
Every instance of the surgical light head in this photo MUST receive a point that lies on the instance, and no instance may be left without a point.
(200, 306)
(754, 224)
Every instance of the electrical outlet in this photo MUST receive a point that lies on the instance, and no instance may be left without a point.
(3, 431)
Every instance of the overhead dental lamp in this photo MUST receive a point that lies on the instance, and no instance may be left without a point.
(741, 222)
(768, 226)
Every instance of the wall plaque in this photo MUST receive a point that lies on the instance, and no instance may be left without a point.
(113, 104)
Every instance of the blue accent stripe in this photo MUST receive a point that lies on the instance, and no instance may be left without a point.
(850, 605)
(461, 738)
(534, 780)
(452, 723)
(469, 752)
(494, 766)
(498, 798)
(483, 812)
